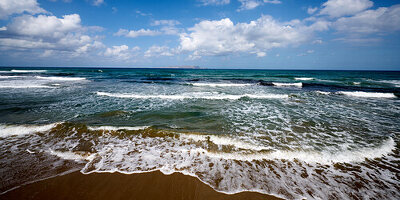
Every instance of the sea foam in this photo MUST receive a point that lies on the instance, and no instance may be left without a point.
(53, 78)
(288, 84)
(222, 84)
(16, 130)
(115, 128)
(195, 96)
(368, 94)
(28, 71)
(303, 79)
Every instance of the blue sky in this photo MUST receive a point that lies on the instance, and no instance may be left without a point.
(264, 34)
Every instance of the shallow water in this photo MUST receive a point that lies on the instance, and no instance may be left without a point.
(294, 134)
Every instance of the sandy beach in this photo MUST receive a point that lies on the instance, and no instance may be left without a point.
(110, 186)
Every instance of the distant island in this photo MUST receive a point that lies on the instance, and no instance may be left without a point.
(183, 67)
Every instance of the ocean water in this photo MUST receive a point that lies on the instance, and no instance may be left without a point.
(293, 134)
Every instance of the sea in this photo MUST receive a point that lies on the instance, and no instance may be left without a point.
(290, 133)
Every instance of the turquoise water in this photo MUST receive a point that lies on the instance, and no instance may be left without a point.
(294, 134)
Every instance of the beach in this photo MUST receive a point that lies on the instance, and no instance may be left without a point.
(198, 134)
(113, 186)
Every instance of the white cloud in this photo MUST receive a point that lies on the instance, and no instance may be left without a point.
(272, 1)
(98, 2)
(249, 4)
(261, 54)
(120, 52)
(311, 10)
(156, 51)
(214, 2)
(45, 26)
(133, 33)
(43, 32)
(317, 42)
(142, 13)
(9, 7)
(165, 23)
(168, 27)
(381, 20)
(210, 38)
(339, 8)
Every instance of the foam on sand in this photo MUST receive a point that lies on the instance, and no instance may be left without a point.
(210, 96)
(368, 94)
(54, 78)
(115, 128)
(288, 84)
(16, 130)
(68, 155)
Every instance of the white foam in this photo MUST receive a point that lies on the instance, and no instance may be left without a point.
(322, 92)
(223, 140)
(53, 78)
(195, 96)
(368, 94)
(222, 84)
(312, 157)
(7, 77)
(356, 83)
(68, 155)
(288, 84)
(27, 71)
(115, 128)
(12, 130)
(29, 151)
(344, 156)
(396, 83)
(303, 79)
(25, 86)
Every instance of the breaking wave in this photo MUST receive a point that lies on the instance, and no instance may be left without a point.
(288, 84)
(54, 78)
(210, 96)
(368, 94)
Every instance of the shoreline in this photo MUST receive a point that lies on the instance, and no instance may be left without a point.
(149, 185)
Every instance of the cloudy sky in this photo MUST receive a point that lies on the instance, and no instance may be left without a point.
(270, 34)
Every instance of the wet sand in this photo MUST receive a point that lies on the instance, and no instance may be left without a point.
(107, 186)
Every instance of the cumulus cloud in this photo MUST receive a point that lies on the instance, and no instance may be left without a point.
(120, 52)
(45, 26)
(251, 4)
(339, 8)
(42, 32)
(214, 2)
(133, 33)
(381, 20)
(156, 51)
(9, 7)
(223, 37)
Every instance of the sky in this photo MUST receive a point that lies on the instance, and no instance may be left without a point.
(256, 34)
